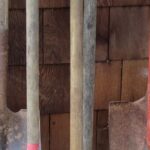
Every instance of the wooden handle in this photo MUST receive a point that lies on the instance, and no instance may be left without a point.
(3, 52)
(33, 115)
(148, 103)
(89, 71)
(76, 108)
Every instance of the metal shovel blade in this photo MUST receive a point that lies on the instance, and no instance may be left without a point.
(13, 130)
(127, 125)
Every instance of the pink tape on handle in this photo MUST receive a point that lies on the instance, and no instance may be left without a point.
(33, 147)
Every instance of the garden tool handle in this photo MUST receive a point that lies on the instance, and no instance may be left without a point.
(148, 103)
(3, 52)
(76, 92)
(33, 114)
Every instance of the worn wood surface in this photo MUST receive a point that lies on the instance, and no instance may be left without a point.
(102, 37)
(59, 132)
(134, 79)
(54, 89)
(129, 32)
(17, 37)
(20, 4)
(102, 130)
(56, 30)
(45, 132)
(107, 83)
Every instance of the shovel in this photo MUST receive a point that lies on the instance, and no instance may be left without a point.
(12, 125)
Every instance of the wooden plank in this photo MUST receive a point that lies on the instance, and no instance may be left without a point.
(59, 132)
(16, 98)
(134, 82)
(130, 2)
(45, 132)
(129, 32)
(102, 130)
(17, 38)
(56, 36)
(102, 34)
(107, 84)
(20, 4)
(56, 25)
(54, 88)
(55, 92)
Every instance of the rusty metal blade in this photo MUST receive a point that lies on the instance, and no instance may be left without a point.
(127, 125)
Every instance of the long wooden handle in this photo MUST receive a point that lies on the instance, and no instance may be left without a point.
(148, 102)
(3, 52)
(88, 71)
(76, 108)
(33, 115)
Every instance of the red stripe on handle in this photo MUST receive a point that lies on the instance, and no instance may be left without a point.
(148, 98)
(33, 147)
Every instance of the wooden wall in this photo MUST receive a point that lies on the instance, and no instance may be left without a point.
(121, 63)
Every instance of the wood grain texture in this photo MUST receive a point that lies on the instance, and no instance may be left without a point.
(20, 4)
(55, 92)
(17, 37)
(59, 132)
(54, 89)
(57, 30)
(102, 34)
(56, 36)
(134, 80)
(102, 130)
(129, 32)
(107, 84)
(16, 98)
(45, 132)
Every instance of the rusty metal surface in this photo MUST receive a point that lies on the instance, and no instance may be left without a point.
(13, 130)
(127, 125)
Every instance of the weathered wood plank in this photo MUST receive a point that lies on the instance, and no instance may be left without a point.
(45, 132)
(54, 88)
(55, 92)
(60, 132)
(17, 38)
(56, 25)
(20, 4)
(102, 130)
(56, 36)
(102, 34)
(108, 83)
(16, 98)
(134, 80)
(129, 32)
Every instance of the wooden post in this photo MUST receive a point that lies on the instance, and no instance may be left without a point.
(33, 115)
(76, 108)
(88, 71)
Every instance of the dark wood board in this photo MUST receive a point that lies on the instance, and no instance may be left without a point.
(102, 36)
(20, 4)
(107, 83)
(45, 132)
(56, 36)
(60, 132)
(54, 89)
(17, 37)
(102, 130)
(134, 80)
(129, 32)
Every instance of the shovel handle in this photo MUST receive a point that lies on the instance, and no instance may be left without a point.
(33, 113)
(3, 52)
(148, 103)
